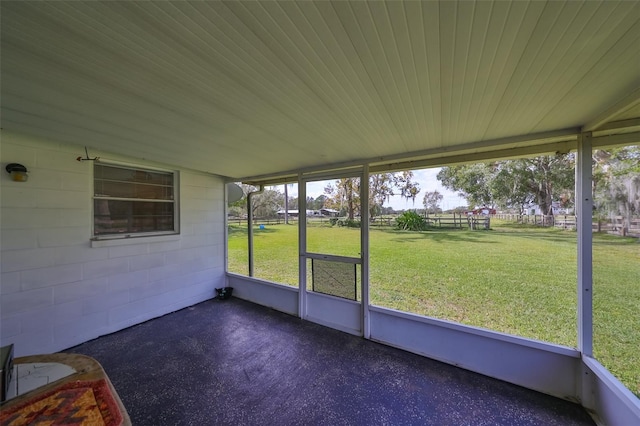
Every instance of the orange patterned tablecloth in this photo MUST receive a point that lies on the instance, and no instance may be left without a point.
(86, 397)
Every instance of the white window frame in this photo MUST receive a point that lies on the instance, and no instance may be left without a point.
(134, 237)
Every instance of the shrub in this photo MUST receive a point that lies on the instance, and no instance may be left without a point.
(411, 221)
(349, 223)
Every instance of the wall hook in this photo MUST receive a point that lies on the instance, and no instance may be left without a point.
(86, 157)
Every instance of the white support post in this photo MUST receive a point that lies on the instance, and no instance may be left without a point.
(250, 226)
(584, 212)
(364, 250)
(302, 247)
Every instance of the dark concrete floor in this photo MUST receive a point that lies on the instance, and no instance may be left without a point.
(237, 363)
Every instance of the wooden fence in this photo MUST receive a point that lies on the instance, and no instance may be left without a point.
(455, 221)
(615, 225)
(275, 220)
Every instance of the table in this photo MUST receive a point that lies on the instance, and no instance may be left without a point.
(62, 386)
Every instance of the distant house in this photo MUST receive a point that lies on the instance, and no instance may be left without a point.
(329, 212)
(481, 211)
(290, 213)
(311, 213)
(556, 208)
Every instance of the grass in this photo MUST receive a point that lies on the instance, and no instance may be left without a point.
(516, 279)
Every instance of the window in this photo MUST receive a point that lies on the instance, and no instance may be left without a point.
(131, 200)
(275, 236)
(492, 258)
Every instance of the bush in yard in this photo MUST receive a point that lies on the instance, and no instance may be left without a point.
(411, 221)
(350, 223)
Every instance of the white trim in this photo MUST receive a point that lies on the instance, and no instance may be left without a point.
(332, 297)
(129, 165)
(334, 325)
(584, 209)
(262, 281)
(333, 258)
(478, 331)
(133, 239)
(534, 365)
(475, 157)
(302, 248)
(111, 237)
(365, 325)
(277, 296)
(612, 402)
(631, 138)
(146, 200)
(351, 171)
(383, 163)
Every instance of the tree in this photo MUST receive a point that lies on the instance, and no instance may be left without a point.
(345, 193)
(316, 203)
(616, 183)
(515, 183)
(431, 201)
(264, 205)
(549, 178)
(286, 204)
(472, 182)
(267, 203)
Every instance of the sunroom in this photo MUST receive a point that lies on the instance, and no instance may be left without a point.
(131, 119)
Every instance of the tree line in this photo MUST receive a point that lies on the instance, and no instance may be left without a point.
(515, 185)
(549, 180)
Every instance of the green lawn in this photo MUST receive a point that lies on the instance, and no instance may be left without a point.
(516, 279)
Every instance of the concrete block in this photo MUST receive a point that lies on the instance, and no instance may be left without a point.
(103, 268)
(28, 218)
(9, 326)
(16, 195)
(123, 282)
(62, 199)
(14, 303)
(80, 290)
(165, 246)
(80, 253)
(62, 237)
(65, 312)
(145, 290)
(127, 251)
(45, 179)
(10, 282)
(167, 271)
(18, 260)
(51, 276)
(76, 217)
(18, 239)
(75, 333)
(77, 182)
(104, 303)
(34, 343)
(146, 261)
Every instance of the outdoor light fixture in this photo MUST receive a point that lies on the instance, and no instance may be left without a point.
(18, 172)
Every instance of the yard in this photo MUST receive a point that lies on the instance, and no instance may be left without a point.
(516, 279)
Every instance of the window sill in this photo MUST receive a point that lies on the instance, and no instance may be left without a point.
(142, 239)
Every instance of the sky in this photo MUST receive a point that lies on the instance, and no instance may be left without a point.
(426, 178)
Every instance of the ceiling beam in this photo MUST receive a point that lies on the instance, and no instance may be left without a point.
(527, 151)
(523, 145)
(619, 140)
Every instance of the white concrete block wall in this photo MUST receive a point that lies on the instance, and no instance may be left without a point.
(56, 291)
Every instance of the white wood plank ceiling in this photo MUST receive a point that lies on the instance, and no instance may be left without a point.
(256, 88)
